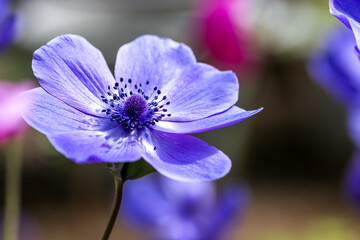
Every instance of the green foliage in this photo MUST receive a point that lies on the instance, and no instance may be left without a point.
(131, 170)
(326, 229)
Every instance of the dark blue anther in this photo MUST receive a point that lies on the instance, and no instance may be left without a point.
(159, 92)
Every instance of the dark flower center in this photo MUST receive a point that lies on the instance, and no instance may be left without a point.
(135, 106)
(132, 108)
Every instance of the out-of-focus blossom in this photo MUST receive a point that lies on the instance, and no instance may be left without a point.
(7, 25)
(172, 210)
(158, 96)
(336, 67)
(222, 31)
(352, 181)
(11, 122)
(29, 228)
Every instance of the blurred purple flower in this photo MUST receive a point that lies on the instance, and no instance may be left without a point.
(172, 210)
(352, 181)
(336, 67)
(221, 30)
(7, 25)
(11, 122)
(160, 94)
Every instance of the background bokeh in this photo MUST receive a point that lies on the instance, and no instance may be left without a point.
(292, 155)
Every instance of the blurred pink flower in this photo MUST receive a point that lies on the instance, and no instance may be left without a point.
(11, 122)
(223, 32)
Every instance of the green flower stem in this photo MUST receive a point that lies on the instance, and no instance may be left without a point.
(13, 190)
(119, 184)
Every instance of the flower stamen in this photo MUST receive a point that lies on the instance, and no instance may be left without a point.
(131, 107)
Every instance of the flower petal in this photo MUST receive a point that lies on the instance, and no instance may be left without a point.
(351, 184)
(195, 90)
(348, 12)
(184, 157)
(353, 124)
(224, 119)
(336, 67)
(114, 145)
(145, 204)
(49, 115)
(11, 122)
(74, 71)
(154, 59)
(201, 91)
(7, 30)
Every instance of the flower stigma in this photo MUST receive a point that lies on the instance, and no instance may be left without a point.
(132, 108)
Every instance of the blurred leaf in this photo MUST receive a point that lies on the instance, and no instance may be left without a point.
(324, 229)
(135, 170)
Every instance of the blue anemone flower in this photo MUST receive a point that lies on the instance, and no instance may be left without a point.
(158, 96)
(336, 67)
(348, 12)
(166, 209)
(7, 25)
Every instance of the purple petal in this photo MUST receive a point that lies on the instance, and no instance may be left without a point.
(49, 115)
(4, 7)
(195, 90)
(184, 157)
(114, 145)
(348, 12)
(352, 181)
(72, 70)
(7, 30)
(354, 124)
(145, 203)
(224, 119)
(336, 67)
(154, 59)
(231, 204)
(201, 91)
